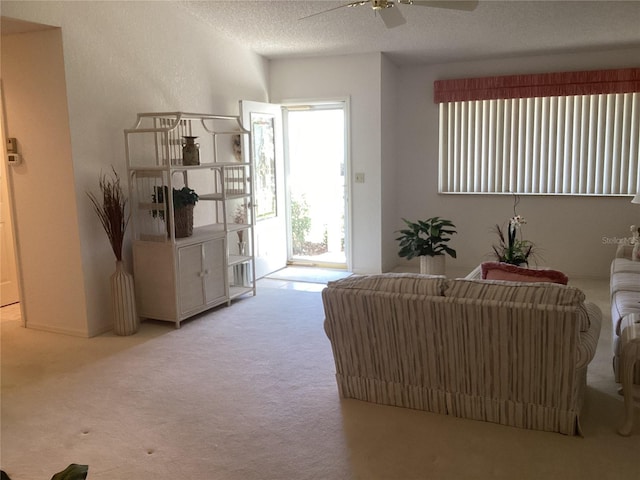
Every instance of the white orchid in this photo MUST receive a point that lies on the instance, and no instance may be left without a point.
(512, 248)
(517, 221)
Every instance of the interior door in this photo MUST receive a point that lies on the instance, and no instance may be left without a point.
(8, 274)
(264, 120)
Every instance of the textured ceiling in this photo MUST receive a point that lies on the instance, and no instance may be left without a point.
(494, 29)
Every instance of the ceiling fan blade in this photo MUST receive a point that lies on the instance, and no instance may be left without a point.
(466, 5)
(392, 17)
(352, 4)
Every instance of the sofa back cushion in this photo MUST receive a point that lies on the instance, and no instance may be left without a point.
(519, 292)
(411, 283)
(523, 293)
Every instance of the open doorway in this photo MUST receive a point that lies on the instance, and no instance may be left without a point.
(316, 146)
(9, 292)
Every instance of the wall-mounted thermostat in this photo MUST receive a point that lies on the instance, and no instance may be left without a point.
(14, 158)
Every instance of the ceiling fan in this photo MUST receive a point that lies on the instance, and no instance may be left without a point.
(392, 17)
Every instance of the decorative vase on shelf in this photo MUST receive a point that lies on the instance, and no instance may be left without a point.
(190, 151)
(240, 273)
(123, 302)
(432, 265)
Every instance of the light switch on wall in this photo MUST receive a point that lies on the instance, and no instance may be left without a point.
(12, 145)
(359, 177)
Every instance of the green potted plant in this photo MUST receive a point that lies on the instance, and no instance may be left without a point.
(428, 240)
(184, 197)
(184, 200)
(512, 248)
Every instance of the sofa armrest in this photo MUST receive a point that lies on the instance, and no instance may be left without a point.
(624, 251)
(588, 340)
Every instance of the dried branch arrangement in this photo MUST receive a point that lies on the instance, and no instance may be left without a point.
(111, 210)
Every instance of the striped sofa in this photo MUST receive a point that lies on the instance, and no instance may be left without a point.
(625, 299)
(504, 352)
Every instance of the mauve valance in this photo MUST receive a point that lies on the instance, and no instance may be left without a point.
(540, 85)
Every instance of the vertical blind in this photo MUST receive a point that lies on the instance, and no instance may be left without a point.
(585, 144)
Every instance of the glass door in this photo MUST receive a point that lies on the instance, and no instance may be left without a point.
(264, 120)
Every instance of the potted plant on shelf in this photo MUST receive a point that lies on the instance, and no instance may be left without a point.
(110, 207)
(428, 240)
(184, 199)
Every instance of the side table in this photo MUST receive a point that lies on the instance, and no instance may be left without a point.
(629, 357)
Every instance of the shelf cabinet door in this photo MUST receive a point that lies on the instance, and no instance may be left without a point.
(153, 267)
(213, 254)
(201, 275)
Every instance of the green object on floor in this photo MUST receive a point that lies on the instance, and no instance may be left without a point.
(72, 472)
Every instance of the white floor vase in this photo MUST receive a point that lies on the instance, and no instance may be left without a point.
(123, 302)
(432, 265)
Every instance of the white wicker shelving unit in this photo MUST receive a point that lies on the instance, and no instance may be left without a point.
(178, 277)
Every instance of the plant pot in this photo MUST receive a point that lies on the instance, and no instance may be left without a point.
(432, 265)
(123, 302)
(184, 221)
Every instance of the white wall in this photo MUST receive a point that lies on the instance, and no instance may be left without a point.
(44, 199)
(569, 230)
(127, 57)
(357, 77)
(389, 183)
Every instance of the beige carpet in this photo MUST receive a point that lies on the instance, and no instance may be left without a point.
(247, 392)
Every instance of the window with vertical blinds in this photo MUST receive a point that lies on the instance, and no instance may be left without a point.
(561, 144)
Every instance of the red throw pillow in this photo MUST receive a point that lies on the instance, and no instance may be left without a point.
(513, 273)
